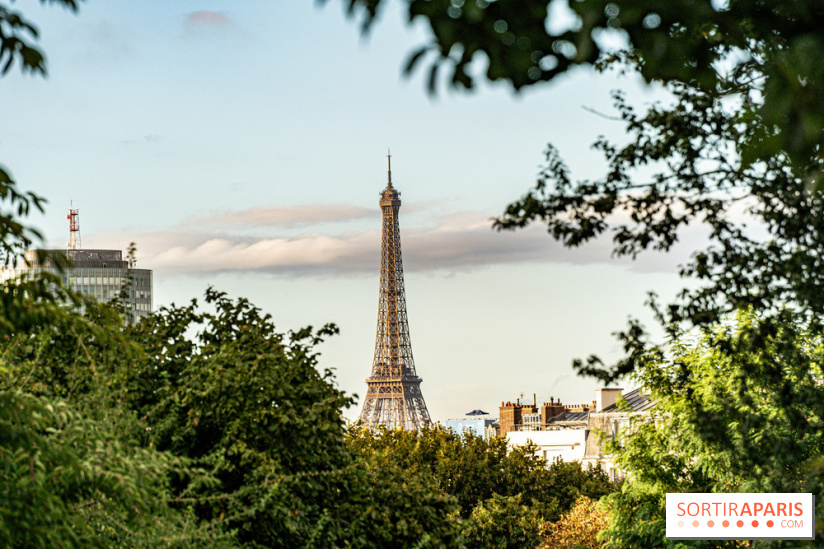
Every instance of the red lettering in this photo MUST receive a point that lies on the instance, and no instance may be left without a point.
(757, 507)
(769, 510)
(705, 509)
(681, 511)
(689, 509)
(745, 510)
(782, 509)
(716, 508)
(733, 509)
(798, 509)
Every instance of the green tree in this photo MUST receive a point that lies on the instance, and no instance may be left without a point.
(503, 522)
(475, 471)
(74, 470)
(246, 410)
(247, 403)
(67, 481)
(738, 411)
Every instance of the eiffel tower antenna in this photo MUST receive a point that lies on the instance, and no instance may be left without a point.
(393, 391)
(389, 166)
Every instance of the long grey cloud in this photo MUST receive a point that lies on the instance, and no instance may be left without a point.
(458, 243)
(289, 217)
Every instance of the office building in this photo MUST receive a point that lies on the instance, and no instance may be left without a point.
(102, 274)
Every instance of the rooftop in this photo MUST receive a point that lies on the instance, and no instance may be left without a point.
(634, 401)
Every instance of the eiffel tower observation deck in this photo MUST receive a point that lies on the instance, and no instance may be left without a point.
(393, 395)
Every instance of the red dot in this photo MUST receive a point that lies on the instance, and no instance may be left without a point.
(725, 523)
(740, 523)
(754, 523)
(710, 523)
(695, 523)
(770, 524)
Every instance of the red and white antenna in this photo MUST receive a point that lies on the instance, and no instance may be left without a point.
(74, 229)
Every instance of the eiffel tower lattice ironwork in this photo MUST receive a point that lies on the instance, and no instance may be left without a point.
(393, 395)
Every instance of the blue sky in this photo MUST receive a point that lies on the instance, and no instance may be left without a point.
(243, 145)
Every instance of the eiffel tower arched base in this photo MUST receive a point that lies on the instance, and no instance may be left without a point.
(394, 404)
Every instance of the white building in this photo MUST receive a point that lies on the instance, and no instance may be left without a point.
(567, 444)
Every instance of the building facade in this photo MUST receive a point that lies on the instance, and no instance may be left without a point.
(578, 432)
(470, 424)
(101, 274)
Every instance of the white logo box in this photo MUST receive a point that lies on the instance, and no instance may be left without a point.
(740, 516)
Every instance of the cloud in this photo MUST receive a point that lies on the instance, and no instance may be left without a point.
(461, 242)
(208, 18)
(199, 22)
(290, 217)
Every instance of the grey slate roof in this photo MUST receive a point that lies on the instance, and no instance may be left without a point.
(570, 416)
(634, 401)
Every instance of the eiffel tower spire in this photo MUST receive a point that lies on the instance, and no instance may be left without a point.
(393, 394)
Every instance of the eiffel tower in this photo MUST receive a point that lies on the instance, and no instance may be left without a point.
(393, 394)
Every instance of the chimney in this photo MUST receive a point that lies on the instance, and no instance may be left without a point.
(606, 397)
